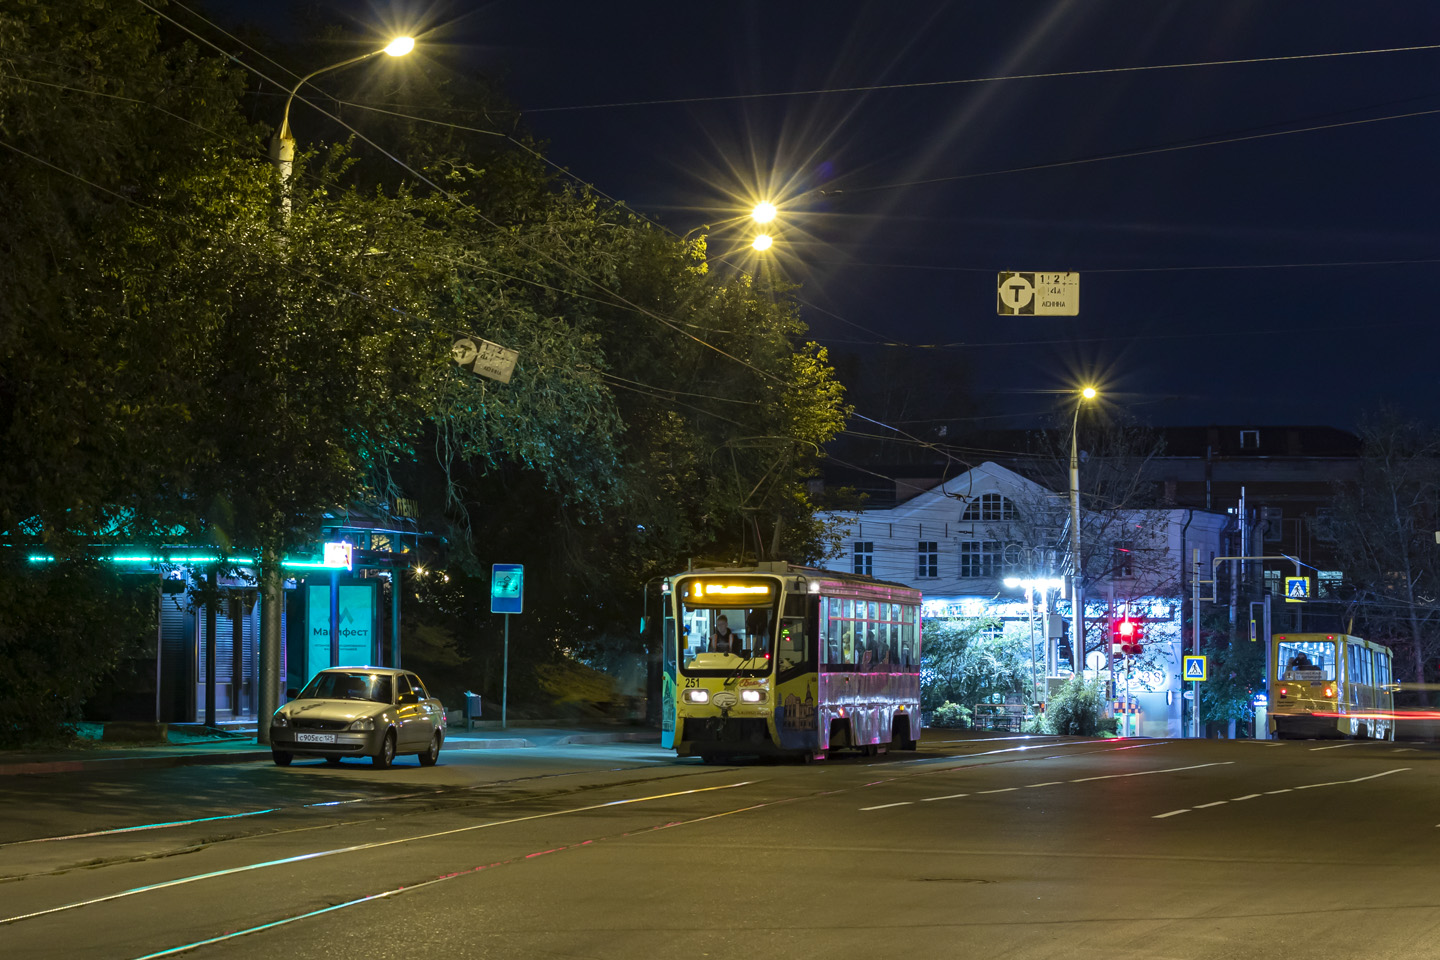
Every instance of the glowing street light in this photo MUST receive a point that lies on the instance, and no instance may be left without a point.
(762, 241)
(282, 146)
(1077, 594)
(764, 212)
(400, 46)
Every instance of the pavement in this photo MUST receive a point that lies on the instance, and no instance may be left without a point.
(104, 757)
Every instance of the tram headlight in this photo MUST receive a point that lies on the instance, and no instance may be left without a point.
(697, 695)
(752, 696)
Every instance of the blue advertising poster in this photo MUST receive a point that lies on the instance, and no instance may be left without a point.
(357, 627)
(507, 588)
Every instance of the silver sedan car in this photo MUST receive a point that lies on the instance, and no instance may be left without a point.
(374, 712)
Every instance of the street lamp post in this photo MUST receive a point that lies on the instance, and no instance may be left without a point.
(272, 586)
(282, 145)
(1077, 590)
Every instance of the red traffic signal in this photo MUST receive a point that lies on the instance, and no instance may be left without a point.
(1127, 635)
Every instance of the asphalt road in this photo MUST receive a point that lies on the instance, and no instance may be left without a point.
(993, 848)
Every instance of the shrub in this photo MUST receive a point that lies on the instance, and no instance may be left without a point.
(1076, 708)
(1036, 724)
(950, 715)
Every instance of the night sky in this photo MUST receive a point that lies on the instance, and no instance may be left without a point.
(1268, 279)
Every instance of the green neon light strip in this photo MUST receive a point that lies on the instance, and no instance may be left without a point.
(197, 558)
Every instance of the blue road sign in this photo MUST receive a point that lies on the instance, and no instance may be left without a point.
(507, 588)
(1297, 589)
(1194, 668)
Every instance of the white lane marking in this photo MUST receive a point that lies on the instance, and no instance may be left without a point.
(1248, 796)
(1402, 749)
(1336, 783)
(1146, 773)
(1337, 746)
(1001, 790)
(1047, 783)
(953, 796)
(887, 806)
(300, 858)
(1308, 786)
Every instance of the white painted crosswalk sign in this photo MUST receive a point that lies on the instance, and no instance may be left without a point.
(1194, 668)
(1297, 589)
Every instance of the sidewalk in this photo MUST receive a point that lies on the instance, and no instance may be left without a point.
(103, 758)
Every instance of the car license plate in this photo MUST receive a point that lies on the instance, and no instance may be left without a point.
(314, 738)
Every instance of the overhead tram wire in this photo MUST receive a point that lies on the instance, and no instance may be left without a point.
(1128, 154)
(923, 84)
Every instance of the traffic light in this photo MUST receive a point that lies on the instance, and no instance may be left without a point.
(1127, 634)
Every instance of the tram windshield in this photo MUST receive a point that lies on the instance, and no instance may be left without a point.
(1306, 660)
(728, 624)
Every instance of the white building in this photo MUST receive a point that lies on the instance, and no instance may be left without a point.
(960, 540)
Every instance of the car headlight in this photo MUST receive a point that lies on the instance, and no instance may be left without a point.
(696, 695)
(364, 723)
(752, 696)
(279, 720)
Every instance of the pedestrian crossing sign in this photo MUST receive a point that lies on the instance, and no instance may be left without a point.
(1297, 589)
(1194, 668)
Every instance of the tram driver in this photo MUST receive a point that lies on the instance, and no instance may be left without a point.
(722, 638)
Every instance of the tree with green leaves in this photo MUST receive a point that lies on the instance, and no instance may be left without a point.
(1384, 525)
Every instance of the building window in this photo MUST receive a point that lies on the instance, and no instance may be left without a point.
(980, 558)
(927, 561)
(990, 506)
(1249, 439)
(1123, 563)
(1330, 583)
(865, 557)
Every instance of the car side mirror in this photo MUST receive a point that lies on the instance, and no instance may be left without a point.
(410, 697)
(291, 694)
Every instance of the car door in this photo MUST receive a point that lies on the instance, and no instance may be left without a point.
(413, 733)
(433, 710)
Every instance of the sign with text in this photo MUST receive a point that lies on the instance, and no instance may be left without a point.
(340, 555)
(1037, 294)
(507, 588)
(484, 358)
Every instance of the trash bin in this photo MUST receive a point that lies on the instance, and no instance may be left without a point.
(472, 709)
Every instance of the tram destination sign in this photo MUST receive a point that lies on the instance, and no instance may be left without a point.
(1037, 294)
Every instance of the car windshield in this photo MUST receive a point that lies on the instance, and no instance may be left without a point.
(349, 686)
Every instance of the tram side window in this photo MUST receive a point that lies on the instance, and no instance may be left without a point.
(909, 657)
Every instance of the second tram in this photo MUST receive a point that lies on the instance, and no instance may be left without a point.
(784, 660)
(1331, 685)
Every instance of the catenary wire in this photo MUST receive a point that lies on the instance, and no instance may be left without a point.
(922, 84)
